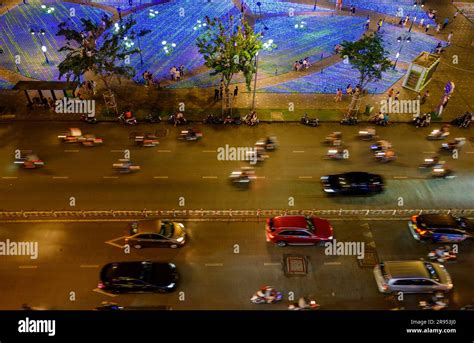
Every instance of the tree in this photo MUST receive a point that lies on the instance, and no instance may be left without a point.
(104, 49)
(368, 56)
(229, 50)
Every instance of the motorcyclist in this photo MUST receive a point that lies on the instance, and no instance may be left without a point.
(268, 293)
(383, 145)
(335, 138)
(457, 143)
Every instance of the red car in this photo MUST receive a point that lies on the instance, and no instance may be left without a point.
(298, 230)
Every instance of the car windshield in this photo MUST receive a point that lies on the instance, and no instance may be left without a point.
(309, 224)
(167, 229)
(432, 272)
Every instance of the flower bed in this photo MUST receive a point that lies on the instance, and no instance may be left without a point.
(17, 40)
(336, 76)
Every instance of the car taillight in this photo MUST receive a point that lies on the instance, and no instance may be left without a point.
(384, 286)
(101, 285)
(420, 231)
(413, 219)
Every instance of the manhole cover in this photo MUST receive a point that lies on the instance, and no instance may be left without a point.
(295, 265)
(370, 259)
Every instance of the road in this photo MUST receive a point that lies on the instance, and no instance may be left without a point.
(220, 267)
(176, 170)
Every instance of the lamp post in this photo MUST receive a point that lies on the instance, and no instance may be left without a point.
(44, 49)
(315, 5)
(402, 41)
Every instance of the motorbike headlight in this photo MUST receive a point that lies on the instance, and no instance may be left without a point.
(171, 285)
(328, 190)
(180, 239)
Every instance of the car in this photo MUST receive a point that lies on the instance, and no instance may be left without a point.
(412, 277)
(139, 277)
(156, 233)
(353, 183)
(298, 230)
(440, 228)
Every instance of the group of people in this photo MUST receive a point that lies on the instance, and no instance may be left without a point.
(148, 78)
(251, 119)
(177, 73)
(219, 92)
(301, 64)
(349, 91)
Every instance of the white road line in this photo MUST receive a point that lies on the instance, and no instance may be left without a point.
(209, 177)
(9, 177)
(97, 290)
(298, 151)
(111, 242)
(71, 150)
(110, 177)
(400, 177)
(61, 177)
(27, 267)
(305, 177)
(332, 263)
(160, 177)
(164, 150)
(89, 266)
(469, 152)
(271, 264)
(429, 152)
(209, 151)
(117, 150)
(214, 264)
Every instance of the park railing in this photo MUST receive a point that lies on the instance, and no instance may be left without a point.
(234, 215)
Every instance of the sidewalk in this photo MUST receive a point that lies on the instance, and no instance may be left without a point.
(199, 102)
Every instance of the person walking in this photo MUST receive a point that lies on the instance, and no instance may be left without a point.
(236, 91)
(367, 22)
(427, 28)
(397, 96)
(421, 22)
(446, 22)
(450, 36)
(216, 94)
(390, 93)
(353, 10)
(425, 97)
(438, 28)
(455, 14)
(379, 25)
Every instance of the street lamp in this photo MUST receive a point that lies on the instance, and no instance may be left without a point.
(401, 41)
(44, 49)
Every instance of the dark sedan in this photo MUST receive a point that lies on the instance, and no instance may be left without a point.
(353, 183)
(139, 277)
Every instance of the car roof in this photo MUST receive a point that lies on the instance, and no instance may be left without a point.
(149, 226)
(293, 222)
(438, 220)
(134, 270)
(406, 269)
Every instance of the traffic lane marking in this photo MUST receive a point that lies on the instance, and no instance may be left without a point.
(9, 177)
(27, 267)
(71, 150)
(110, 177)
(60, 177)
(271, 264)
(332, 263)
(160, 177)
(89, 266)
(209, 177)
(214, 264)
(98, 290)
(112, 242)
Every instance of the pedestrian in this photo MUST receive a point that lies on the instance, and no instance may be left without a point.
(421, 22)
(216, 94)
(367, 22)
(450, 36)
(119, 11)
(446, 22)
(172, 71)
(390, 93)
(418, 97)
(455, 14)
(221, 90)
(379, 25)
(438, 28)
(427, 28)
(94, 87)
(349, 89)
(353, 10)
(181, 70)
(338, 95)
(425, 97)
(397, 96)
(236, 91)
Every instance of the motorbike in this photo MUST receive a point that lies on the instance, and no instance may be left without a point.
(89, 120)
(125, 166)
(29, 160)
(177, 120)
(385, 156)
(234, 121)
(150, 118)
(438, 135)
(429, 162)
(349, 121)
(378, 121)
(144, 139)
(75, 136)
(381, 146)
(109, 306)
(304, 304)
(443, 254)
(367, 134)
(268, 144)
(266, 295)
(456, 144)
(256, 155)
(436, 303)
(244, 176)
(127, 121)
(309, 121)
(190, 135)
(463, 121)
(211, 119)
(440, 172)
(334, 139)
(337, 154)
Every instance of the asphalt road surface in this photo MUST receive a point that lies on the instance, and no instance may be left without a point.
(177, 170)
(222, 265)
